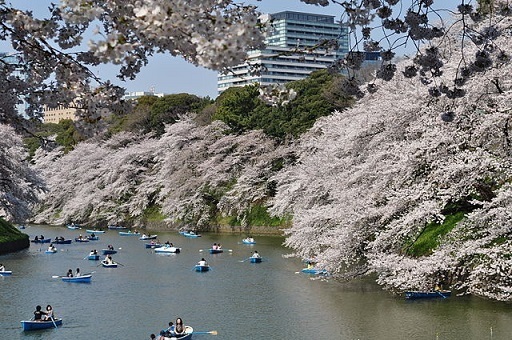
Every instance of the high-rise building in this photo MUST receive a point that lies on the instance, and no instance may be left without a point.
(12, 59)
(298, 44)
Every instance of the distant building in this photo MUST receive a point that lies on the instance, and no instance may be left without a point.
(55, 115)
(281, 61)
(136, 95)
(12, 59)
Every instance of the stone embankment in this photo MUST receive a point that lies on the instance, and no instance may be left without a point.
(13, 246)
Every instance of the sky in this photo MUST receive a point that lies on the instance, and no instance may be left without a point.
(167, 74)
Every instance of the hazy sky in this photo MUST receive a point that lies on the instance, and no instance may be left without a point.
(174, 75)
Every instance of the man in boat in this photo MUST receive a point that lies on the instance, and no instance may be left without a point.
(2, 268)
(256, 255)
(202, 263)
(51, 247)
(69, 273)
(38, 314)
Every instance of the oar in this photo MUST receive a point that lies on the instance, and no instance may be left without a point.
(119, 263)
(205, 332)
(245, 259)
(438, 292)
(56, 276)
(51, 317)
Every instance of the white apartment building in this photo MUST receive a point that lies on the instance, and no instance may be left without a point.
(297, 45)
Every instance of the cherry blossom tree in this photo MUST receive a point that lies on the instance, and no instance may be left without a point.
(19, 184)
(371, 179)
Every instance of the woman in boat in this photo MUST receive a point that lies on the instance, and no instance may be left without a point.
(214, 247)
(49, 313)
(77, 274)
(69, 273)
(202, 262)
(179, 329)
(38, 314)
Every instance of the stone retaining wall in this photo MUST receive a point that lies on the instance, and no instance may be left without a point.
(13, 246)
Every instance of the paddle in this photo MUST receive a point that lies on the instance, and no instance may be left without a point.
(205, 332)
(51, 317)
(56, 276)
(438, 292)
(245, 259)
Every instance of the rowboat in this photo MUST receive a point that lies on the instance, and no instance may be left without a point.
(116, 227)
(78, 239)
(50, 251)
(46, 240)
(191, 234)
(248, 240)
(199, 268)
(413, 295)
(128, 233)
(314, 271)
(215, 251)
(150, 237)
(167, 250)
(255, 259)
(188, 335)
(93, 238)
(109, 265)
(31, 325)
(93, 257)
(73, 226)
(81, 278)
(6, 273)
(108, 251)
(92, 231)
(59, 241)
(153, 245)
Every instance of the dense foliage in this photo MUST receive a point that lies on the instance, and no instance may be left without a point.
(9, 233)
(316, 96)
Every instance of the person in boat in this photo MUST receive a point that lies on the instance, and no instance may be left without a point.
(256, 255)
(41, 237)
(152, 337)
(214, 247)
(93, 252)
(93, 235)
(49, 313)
(36, 238)
(39, 314)
(310, 265)
(219, 246)
(144, 235)
(2, 268)
(69, 273)
(168, 332)
(110, 247)
(77, 274)
(202, 262)
(179, 328)
(108, 259)
(52, 247)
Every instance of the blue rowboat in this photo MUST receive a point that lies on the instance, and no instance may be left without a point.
(57, 241)
(314, 271)
(73, 227)
(93, 238)
(248, 240)
(77, 239)
(413, 295)
(116, 227)
(81, 278)
(108, 251)
(153, 245)
(255, 259)
(108, 265)
(6, 273)
(215, 251)
(199, 268)
(50, 251)
(93, 257)
(128, 233)
(31, 325)
(91, 231)
(167, 250)
(150, 237)
(186, 336)
(46, 240)
(191, 234)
